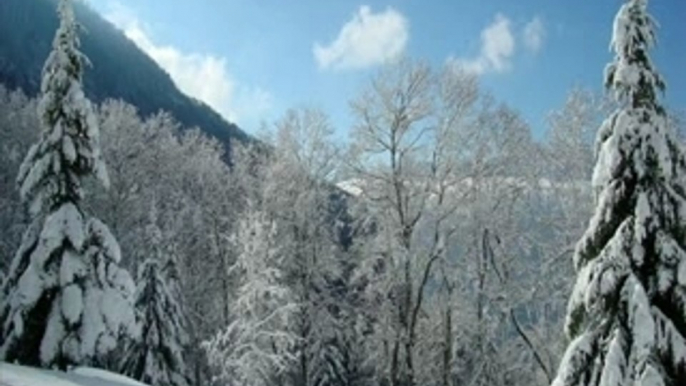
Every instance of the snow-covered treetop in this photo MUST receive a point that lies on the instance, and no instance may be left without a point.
(640, 120)
(632, 75)
(69, 148)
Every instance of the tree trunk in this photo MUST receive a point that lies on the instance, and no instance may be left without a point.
(394, 362)
(447, 346)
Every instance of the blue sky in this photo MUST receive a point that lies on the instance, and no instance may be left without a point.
(253, 59)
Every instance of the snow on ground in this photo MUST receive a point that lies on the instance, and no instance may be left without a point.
(106, 375)
(13, 375)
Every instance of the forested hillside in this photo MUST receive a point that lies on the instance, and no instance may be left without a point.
(119, 70)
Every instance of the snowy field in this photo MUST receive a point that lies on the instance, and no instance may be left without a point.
(12, 375)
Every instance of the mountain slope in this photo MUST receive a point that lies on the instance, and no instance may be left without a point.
(120, 69)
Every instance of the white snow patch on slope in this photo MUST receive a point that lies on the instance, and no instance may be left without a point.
(352, 186)
(13, 375)
(106, 375)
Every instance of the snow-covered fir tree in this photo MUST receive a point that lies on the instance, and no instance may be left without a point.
(326, 349)
(627, 314)
(65, 301)
(158, 357)
(255, 348)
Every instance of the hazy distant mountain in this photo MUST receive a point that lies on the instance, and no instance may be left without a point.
(120, 69)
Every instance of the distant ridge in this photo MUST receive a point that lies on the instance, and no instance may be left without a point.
(120, 69)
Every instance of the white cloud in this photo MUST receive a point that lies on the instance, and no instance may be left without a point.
(497, 49)
(366, 40)
(534, 34)
(202, 76)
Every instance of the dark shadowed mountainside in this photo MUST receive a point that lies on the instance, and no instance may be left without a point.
(120, 70)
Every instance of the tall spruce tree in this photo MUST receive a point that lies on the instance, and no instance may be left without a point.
(158, 357)
(65, 301)
(627, 314)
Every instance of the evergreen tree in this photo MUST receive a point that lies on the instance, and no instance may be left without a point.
(326, 344)
(65, 301)
(337, 348)
(328, 362)
(627, 314)
(158, 357)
